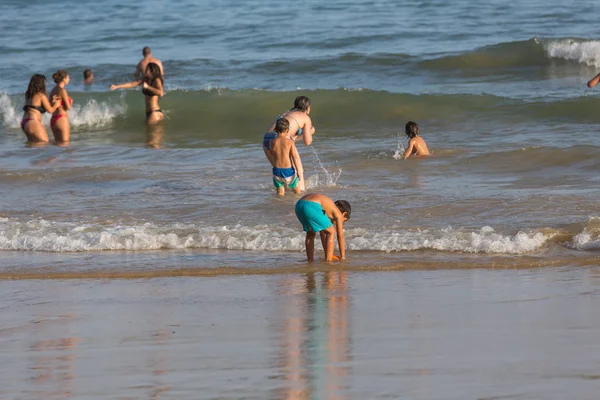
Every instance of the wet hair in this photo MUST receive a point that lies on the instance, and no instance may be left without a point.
(411, 129)
(302, 103)
(154, 72)
(37, 84)
(59, 76)
(87, 74)
(282, 125)
(344, 207)
(146, 50)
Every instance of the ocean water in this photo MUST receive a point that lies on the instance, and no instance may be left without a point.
(497, 87)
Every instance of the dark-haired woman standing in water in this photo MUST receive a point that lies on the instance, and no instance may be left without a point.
(37, 103)
(60, 119)
(152, 88)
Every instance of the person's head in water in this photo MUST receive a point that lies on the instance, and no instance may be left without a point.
(60, 76)
(344, 208)
(282, 125)
(153, 72)
(302, 103)
(146, 52)
(411, 129)
(88, 76)
(37, 84)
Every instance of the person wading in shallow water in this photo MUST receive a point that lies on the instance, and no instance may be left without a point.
(61, 128)
(300, 126)
(37, 103)
(152, 88)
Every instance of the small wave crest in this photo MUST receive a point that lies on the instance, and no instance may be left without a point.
(584, 52)
(96, 115)
(486, 240)
(91, 114)
(42, 235)
(589, 238)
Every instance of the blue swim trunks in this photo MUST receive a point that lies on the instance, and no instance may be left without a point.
(285, 176)
(267, 139)
(312, 216)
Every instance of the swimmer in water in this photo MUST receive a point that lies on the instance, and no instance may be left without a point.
(416, 145)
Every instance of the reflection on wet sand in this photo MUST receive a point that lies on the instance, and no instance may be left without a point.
(159, 353)
(155, 135)
(53, 370)
(315, 342)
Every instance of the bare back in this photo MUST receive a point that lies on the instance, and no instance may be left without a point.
(420, 147)
(281, 151)
(326, 203)
(141, 67)
(38, 99)
(298, 120)
(416, 147)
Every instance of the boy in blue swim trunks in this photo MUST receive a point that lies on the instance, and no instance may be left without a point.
(285, 157)
(318, 213)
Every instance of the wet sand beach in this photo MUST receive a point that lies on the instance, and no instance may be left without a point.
(416, 334)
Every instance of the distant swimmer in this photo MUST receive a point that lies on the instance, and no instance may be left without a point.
(300, 126)
(141, 67)
(60, 119)
(318, 213)
(416, 144)
(88, 77)
(152, 88)
(37, 103)
(287, 167)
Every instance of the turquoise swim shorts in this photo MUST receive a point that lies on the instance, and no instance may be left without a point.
(285, 176)
(312, 216)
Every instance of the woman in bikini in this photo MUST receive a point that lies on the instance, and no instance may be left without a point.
(60, 119)
(152, 88)
(300, 126)
(37, 103)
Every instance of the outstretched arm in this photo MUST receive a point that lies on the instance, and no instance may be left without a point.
(594, 81)
(127, 85)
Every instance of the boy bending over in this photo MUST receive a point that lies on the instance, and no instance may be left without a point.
(318, 213)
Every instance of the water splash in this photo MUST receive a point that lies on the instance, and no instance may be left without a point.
(330, 179)
(96, 115)
(86, 115)
(398, 151)
(10, 116)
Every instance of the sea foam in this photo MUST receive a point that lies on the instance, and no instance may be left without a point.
(584, 52)
(89, 115)
(42, 235)
(589, 238)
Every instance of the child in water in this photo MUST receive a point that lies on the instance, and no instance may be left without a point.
(283, 152)
(318, 213)
(416, 144)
